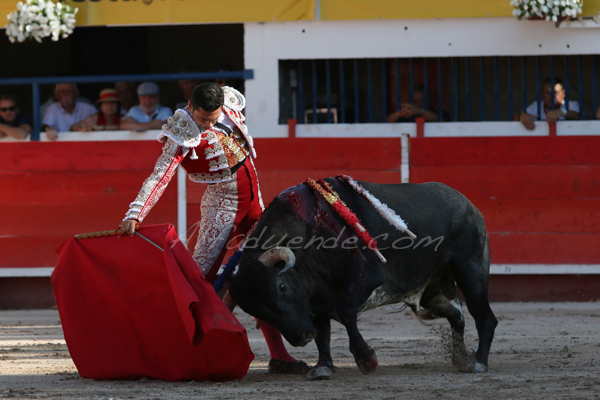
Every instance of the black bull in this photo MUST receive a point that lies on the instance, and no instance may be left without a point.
(334, 275)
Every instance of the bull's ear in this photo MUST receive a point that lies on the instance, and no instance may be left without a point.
(276, 254)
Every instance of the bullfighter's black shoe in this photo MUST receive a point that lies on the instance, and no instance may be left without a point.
(287, 367)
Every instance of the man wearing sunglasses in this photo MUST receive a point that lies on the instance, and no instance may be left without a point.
(12, 123)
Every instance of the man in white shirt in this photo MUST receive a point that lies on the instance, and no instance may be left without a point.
(67, 111)
(149, 114)
(548, 112)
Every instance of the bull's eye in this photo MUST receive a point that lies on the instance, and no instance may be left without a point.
(282, 287)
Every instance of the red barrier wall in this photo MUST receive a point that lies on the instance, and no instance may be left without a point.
(540, 196)
(50, 191)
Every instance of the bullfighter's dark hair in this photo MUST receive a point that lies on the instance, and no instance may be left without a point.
(208, 96)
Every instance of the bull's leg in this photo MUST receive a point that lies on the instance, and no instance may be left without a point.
(472, 279)
(486, 323)
(452, 311)
(364, 355)
(324, 367)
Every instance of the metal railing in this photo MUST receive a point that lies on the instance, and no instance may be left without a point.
(36, 82)
(458, 88)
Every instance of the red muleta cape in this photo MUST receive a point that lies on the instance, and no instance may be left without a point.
(129, 311)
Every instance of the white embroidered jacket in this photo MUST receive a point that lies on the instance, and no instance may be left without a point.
(183, 140)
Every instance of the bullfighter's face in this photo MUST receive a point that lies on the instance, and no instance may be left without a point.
(205, 119)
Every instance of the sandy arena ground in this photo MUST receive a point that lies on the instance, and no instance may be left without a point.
(540, 351)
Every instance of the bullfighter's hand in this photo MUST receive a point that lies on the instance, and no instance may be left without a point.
(128, 226)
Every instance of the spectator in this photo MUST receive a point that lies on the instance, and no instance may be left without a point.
(549, 112)
(149, 114)
(107, 119)
(12, 123)
(126, 93)
(181, 100)
(224, 81)
(237, 83)
(409, 112)
(67, 111)
(187, 87)
(51, 100)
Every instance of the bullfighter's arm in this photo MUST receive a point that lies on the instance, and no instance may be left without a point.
(157, 182)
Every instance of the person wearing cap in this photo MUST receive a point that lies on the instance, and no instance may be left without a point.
(107, 119)
(149, 114)
(67, 111)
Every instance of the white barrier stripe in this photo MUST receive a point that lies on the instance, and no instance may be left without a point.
(405, 158)
(27, 272)
(495, 269)
(367, 130)
(181, 204)
(545, 269)
(104, 136)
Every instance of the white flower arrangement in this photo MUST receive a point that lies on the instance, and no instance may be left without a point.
(38, 19)
(551, 10)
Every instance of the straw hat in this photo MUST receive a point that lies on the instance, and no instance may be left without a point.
(108, 95)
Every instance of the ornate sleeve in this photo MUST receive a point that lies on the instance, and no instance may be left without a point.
(157, 182)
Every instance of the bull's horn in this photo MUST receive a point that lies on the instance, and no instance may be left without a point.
(272, 256)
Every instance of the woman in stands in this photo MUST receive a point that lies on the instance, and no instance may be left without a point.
(107, 119)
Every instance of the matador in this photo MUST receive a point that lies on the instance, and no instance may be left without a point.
(210, 140)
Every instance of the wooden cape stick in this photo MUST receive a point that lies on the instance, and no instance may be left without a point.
(114, 232)
(96, 234)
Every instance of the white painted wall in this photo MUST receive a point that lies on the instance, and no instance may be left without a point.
(266, 43)
(495, 269)
(438, 129)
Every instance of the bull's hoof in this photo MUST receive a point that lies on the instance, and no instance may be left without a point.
(287, 367)
(319, 373)
(461, 360)
(370, 365)
(475, 367)
(479, 367)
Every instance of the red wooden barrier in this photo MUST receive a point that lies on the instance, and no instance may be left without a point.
(540, 196)
(50, 191)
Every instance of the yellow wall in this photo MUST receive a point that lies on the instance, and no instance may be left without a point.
(6, 6)
(107, 12)
(400, 9)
